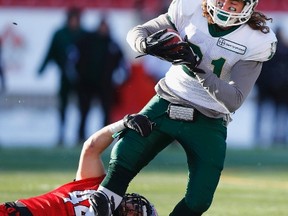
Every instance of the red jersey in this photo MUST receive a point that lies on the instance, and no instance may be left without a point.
(70, 199)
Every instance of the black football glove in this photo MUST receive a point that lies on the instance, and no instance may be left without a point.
(101, 204)
(139, 123)
(186, 56)
(178, 53)
(159, 47)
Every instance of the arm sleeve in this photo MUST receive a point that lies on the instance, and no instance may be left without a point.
(233, 93)
(136, 35)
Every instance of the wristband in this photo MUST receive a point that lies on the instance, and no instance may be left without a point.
(117, 126)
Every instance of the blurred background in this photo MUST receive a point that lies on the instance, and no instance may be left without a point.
(44, 103)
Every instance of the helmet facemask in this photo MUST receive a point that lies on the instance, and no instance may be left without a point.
(136, 205)
(227, 19)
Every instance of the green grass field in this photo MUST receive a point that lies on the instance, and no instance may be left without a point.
(254, 182)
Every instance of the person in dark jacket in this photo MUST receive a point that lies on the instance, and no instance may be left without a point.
(99, 57)
(62, 51)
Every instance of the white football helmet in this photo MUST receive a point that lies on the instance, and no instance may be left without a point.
(226, 19)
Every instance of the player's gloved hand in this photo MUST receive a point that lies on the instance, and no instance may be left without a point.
(179, 53)
(140, 123)
(159, 46)
(186, 56)
(101, 204)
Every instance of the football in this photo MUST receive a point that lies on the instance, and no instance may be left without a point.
(175, 36)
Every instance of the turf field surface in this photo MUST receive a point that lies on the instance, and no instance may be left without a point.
(254, 182)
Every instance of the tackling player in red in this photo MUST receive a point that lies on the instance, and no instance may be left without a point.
(76, 198)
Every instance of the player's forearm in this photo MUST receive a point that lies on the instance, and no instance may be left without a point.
(232, 94)
(137, 34)
(90, 163)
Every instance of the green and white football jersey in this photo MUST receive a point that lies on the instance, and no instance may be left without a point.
(218, 51)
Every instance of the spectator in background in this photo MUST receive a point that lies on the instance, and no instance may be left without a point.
(2, 78)
(63, 53)
(272, 86)
(99, 58)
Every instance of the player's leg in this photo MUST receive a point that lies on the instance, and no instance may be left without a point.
(128, 157)
(63, 97)
(85, 97)
(132, 152)
(205, 147)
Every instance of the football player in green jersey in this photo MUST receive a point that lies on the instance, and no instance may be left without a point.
(213, 70)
